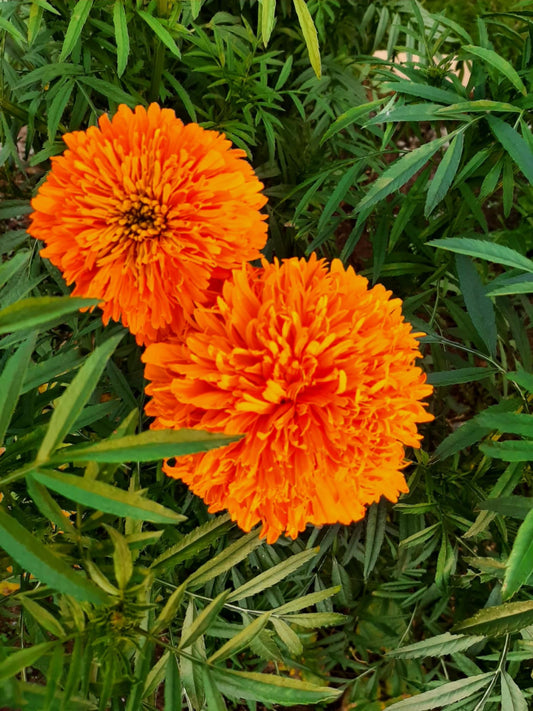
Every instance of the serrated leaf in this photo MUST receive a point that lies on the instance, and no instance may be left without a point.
(310, 34)
(288, 636)
(504, 486)
(195, 541)
(514, 144)
(41, 615)
(514, 506)
(268, 15)
(173, 690)
(512, 697)
(349, 117)
(160, 31)
(338, 195)
(122, 560)
(492, 252)
(400, 172)
(105, 497)
(436, 646)
(478, 305)
(499, 63)
(445, 174)
(169, 610)
(39, 311)
(57, 108)
(242, 639)
(77, 21)
(375, 534)
(9, 268)
(147, 446)
(443, 695)
(69, 406)
(11, 380)
(509, 451)
(499, 620)
(226, 559)
(512, 422)
(273, 576)
(122, 37)
(306, 601)
(313, 620)
(255, 686)
(202, 622)
(461, 375)
(520, 562)
(35, 557)
(108, 90)
(191, 672)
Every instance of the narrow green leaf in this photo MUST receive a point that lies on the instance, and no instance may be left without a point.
(161, 32)
(306, 600)
(423, 91)
(512, 697)
(444, 695)
(109, 91)
(75, 27)
(510, 451)
(313, 620)
(192, 543)
(47, 505)
(17, 661)
(508, 186)
(499, 63)
(173, 691)
(226, 559)
(11, 380)
(71, 403)
(122, 560)
(349, 117)
(478, 305)
(241, 640)
(10, 267)
(513, 506)
(512, 422)
(400, 172)
(203, 621)
(147, 446)
(310, 35)
(122, 37)
(445, 174)
(169, 610)
(38, 311)
(505, 486)
(191, 672)
(255, 686)
(492, 252)
(522, 378)
(105, 497)
(499, 620)
(338, 194)
(520, 563)
(436, 646)
(268, 15)
(35, 557)
(13, 31)
(514, 285)
(213, 698)
(288, 636)
(514, 144)
(273, 575)
(42, 616)
(461, 375)
(57, 108)
(375, 534)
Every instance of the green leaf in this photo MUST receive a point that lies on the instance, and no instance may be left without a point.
(226, 559)
(161, 32)
(173, 691)
(478, 305)
(503, 487)
(122, 560)
(499, 63)
(512, 697)
(512, 422)
(520, 562)
(349, 117)
(42, 616)
(483, 249)
(38, 311)
(194, 542)
(57, 108)
(306, 600)
(509, 451)
(436, 646)
(514, 506)
(338, 195)
(255, 686)
(69, 406)
(109, 91)
(288, 636)
(75, 26)
(12, 30)
(522, 378)
(213, 698)
(400, 172)
(11, 380)
(191, 672)
(375, 533)
(444, 695)
(35, 557)
(310, 35)
(444, 174)
(9, 268)
(461, 375)
(168, 613)
(423, 91)
(147, 446)
(242, 639)
(316, 619)
(203, 621)
(19, 660)
(122, 37)
(273, 575)
(496, 621)
(268, 15)
(511, 285)
(105, 497)
(514, 144)
(48, 506)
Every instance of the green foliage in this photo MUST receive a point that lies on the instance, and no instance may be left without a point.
(422, 179)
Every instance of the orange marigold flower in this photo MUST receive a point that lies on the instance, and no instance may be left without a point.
(148, 214)
(318, 371)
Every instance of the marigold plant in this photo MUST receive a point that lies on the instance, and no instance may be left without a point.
(317, 371)
(148, 214)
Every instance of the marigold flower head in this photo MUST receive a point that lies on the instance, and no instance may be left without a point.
(318, 371)
(148, 215)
